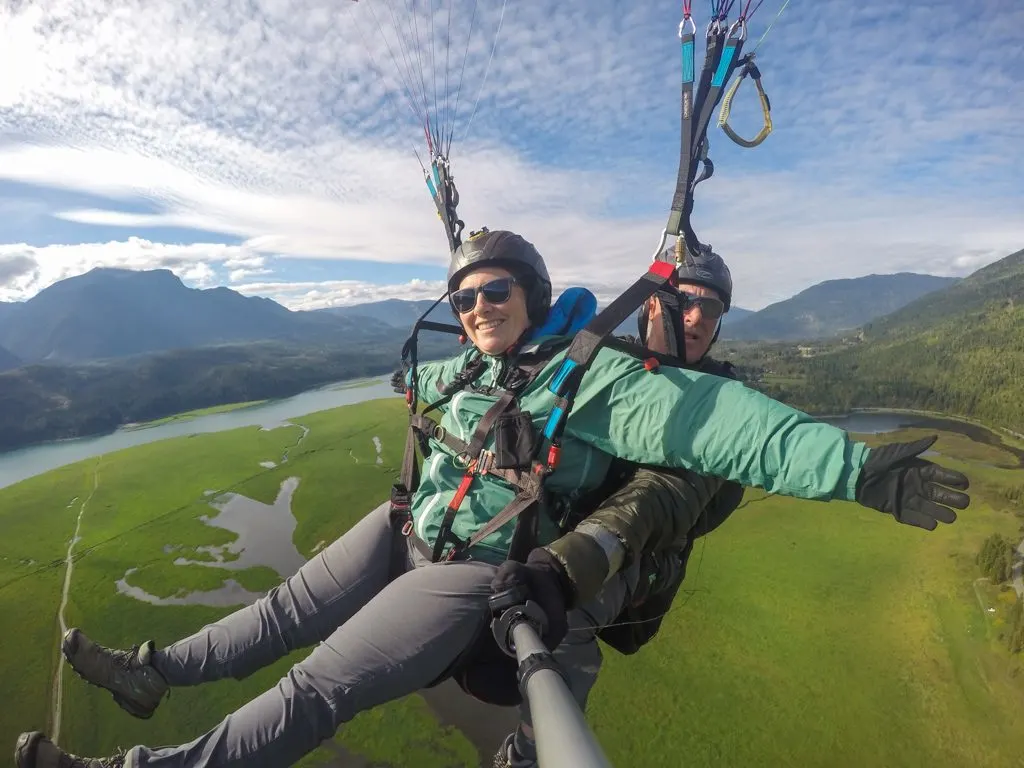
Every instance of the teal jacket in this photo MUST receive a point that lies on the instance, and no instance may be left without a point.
(673, 417)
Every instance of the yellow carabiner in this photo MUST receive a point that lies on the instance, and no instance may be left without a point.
(766, 108)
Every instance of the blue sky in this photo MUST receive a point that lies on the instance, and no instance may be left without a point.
(268, 146)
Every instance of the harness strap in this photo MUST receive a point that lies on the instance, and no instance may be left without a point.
(486, 424)
(476, 444)
(726, 51)
(522, 500)
(586, 344)
(723, 46)
(427, 426)
(685, 172)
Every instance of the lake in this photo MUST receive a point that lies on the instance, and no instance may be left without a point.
(27, 462)
(875, 422)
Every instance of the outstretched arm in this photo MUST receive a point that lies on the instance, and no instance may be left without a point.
(713, 426)
(681, 418)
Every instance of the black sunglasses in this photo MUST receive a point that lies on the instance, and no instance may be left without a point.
(710, 307)
(496, 291)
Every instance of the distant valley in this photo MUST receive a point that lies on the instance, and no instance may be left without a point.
(115, 346)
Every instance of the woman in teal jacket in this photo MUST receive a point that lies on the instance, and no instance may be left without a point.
(382, 629)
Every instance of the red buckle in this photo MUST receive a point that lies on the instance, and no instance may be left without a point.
(554, 455)
(662, 269)
(651, 364)
(407, 528)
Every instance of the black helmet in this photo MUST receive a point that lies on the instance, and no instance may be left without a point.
(706, 268)
(513, 252)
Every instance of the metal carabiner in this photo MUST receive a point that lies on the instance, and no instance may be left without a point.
(682, 26)
(740, 23)
(661, 245)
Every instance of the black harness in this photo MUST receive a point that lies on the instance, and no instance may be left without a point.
(516, 458)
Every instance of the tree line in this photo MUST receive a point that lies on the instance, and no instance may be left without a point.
(995, 559)
(39, 403)
(970, 366)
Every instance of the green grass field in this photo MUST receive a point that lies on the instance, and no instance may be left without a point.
(811, 634)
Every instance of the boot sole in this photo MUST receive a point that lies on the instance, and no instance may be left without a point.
(25, 749)
(68, 646)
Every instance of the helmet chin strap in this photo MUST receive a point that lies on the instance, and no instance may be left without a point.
(675, 329)
(671, 324)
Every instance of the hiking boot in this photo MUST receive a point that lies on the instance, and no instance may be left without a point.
(507, 756)
(34, 750)
(129, 675)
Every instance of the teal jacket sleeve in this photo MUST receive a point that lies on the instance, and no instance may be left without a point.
(713, 426)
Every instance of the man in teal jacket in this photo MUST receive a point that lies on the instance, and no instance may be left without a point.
(379, 636)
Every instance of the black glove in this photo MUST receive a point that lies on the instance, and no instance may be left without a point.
(896, 481)
(398, 382)
(545, 582)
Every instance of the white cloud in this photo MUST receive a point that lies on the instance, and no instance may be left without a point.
(238, 275)
(15, 267)
(193, 263)
(340, 293)
(267, 122)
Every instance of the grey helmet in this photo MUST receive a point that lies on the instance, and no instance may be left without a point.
(513, 252)
(705, 268)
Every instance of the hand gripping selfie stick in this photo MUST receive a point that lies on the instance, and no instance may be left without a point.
(562, 734)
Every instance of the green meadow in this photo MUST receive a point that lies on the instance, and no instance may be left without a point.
(807, 634)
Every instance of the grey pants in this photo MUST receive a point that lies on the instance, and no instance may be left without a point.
(375, 642)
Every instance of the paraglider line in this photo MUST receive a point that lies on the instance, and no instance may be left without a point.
(387, 89)
(414, 27)
(447, 49)
(487, 70)
(406, 86)
(433, 72)
(462, 75)
(777, 15)
(410, 72)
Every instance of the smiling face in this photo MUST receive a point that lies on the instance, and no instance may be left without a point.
(494, 327)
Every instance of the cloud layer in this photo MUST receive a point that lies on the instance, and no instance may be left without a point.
(286, 128)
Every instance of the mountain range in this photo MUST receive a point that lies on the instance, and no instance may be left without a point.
(834, 307)
(110, 313)
(114, 313)
(397, 313)
(958, 350)
(164, 348)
